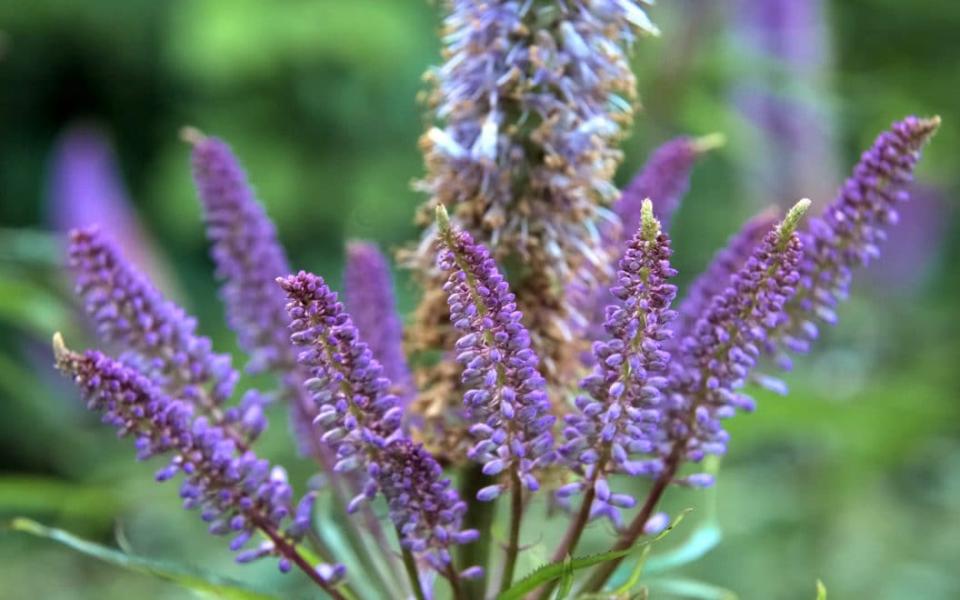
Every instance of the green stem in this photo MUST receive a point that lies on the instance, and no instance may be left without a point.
(412, 572)
(479, 516)
(516, 516)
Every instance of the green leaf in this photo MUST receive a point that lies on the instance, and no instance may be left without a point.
(566, 582)
(821, 591)
(556, 570)
(691, 588)
(204, 584)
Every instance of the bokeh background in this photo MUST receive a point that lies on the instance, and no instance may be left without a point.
(854, 478)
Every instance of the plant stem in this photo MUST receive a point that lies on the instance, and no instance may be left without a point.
(410, 564)
(290, 552)
(479, 516)
(630, 535)
(572, 537)
(455, 583)
(516, 516)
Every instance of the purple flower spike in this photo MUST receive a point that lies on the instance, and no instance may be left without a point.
(249, 258)
(849, 232)
(621, 413)
(664, 179)
(355, 410)
(725, 344)
(368, 295)
(725, 263)
(236, 492)
(506, 397)
(360, 419)
(246, 252)
(423, 506)
(159, 336)
(86, 186)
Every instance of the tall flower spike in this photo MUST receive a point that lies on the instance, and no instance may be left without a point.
(360, 419)
(848, 233)
(531, 101)
(248, 258)
(246, 252)
(620, 415)
(506, 397)
(159, 337)
(725, 344)
(236, 492)
(665, 179)
(368, 295)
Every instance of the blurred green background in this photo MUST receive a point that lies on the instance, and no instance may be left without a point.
(853, 478)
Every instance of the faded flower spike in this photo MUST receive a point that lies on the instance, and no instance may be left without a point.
(160, 338)
(368, 295)
(236, 492)
(849, 232)
(506, 397)
(620, 415)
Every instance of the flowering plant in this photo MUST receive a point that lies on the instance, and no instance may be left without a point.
(548, 363)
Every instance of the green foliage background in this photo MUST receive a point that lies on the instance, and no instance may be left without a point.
(854, 478)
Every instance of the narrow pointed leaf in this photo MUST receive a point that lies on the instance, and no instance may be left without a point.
(204, 584)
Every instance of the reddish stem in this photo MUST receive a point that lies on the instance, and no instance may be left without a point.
(630, 535)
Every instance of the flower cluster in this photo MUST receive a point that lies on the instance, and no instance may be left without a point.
(248, 258)
(725, 343)
(157, 335)
(530, 102)
(246, 253)
(360, 419)
(506, 397)
(236, 492)
(619, 417)
(848, 233)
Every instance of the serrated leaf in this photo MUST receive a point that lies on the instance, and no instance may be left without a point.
(202, 583)
(549, 572)
(566, 582)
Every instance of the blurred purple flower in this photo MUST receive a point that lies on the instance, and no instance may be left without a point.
(85, 187)
(368, 296)
(157, 335)
(785, 97)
